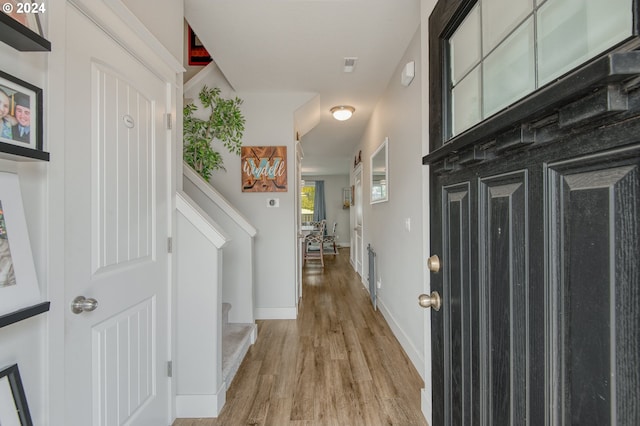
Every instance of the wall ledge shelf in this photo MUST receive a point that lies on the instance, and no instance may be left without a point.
(20, 37)
(24, 313)
(20, 153)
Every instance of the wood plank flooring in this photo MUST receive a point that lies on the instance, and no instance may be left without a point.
(337, 364)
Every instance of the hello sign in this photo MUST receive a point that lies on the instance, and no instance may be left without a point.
(264, 169)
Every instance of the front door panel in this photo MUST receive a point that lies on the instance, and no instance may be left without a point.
(594, 292)
(503, 280)
(540, 286)
(457, 295)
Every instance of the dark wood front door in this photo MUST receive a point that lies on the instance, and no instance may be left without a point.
(535, 217)
(540, 288)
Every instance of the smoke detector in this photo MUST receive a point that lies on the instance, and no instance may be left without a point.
(350, 63)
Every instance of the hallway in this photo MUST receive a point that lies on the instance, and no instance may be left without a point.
(337, 364)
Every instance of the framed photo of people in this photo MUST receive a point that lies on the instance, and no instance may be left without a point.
(20, 113)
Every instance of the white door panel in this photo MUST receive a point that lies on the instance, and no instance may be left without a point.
(116, 230)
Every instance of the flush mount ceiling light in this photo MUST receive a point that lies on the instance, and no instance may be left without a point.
(342, 112)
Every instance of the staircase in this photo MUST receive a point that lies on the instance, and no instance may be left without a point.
(236, 340)
(214, 272)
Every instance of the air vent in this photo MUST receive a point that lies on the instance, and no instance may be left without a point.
(350, 64)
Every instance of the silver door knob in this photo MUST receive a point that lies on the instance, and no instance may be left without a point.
(432, 300)
(433, 263)
(81, 304)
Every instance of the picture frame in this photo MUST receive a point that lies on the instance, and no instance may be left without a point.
(25, 12)
(14, 410)
(197, 53)
(19, 287)
(20, 114)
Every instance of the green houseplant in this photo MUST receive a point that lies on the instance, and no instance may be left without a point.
(225, 123)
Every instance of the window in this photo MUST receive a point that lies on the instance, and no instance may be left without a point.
(307, 198)
(503, 50)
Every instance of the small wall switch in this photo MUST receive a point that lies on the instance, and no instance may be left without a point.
(273, 202)
(379, 283)
(407, 224)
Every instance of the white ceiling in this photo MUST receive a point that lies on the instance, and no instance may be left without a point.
(300, 46)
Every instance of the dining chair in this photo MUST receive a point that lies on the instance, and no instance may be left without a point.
(331, 238)
(315, 238)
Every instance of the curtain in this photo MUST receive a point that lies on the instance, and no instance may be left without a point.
(319, 205)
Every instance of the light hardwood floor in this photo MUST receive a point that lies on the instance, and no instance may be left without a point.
(337, 364)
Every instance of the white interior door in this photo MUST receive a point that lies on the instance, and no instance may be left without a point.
(116, 222)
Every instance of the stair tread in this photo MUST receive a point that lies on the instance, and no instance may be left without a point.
(236, 339)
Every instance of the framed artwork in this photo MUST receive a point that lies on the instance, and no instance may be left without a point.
(18, 282)
(25, 12)
(264, 168)
(20, 113)
(14, 410)
(198, 54)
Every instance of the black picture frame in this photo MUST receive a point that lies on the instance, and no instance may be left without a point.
(198, 55)
(13, 401)
(20, 95)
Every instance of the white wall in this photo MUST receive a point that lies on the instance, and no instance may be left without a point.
(32, 343)
(269, 123)
(333, 185)
(24, 343)
(400, 257)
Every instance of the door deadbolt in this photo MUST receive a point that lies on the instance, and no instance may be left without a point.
(433, 263)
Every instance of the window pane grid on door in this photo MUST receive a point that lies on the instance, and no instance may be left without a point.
(560, 35)
(570, 32)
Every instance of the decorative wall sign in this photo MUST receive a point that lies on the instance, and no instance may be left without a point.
(264, 169)
(198, 54)
(18, 281)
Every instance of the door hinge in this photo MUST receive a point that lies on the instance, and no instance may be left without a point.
(169, 368)
(169, 121)
(170, 245)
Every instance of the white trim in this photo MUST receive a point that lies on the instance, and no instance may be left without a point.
(114, 18)
(276, 313)
(426, 403)
(145, 35)
(198, 406)
(201, 220)
(219, 200)
(198, 80)
(414, 355)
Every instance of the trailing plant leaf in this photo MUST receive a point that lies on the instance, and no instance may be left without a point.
(225, 124)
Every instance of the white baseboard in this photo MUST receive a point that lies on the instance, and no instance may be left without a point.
(414, 355)
(426, 405)
(276, 313)
(199, 406)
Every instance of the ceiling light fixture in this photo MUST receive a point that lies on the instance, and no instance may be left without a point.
(342, 112)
